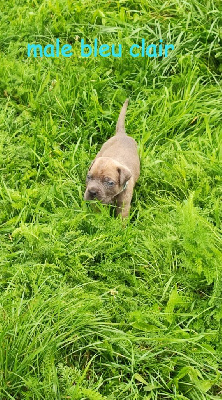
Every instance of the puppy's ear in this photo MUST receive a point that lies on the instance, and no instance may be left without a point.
(124, 175)
(91, 165)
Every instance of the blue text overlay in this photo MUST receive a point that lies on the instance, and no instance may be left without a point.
(103, 50)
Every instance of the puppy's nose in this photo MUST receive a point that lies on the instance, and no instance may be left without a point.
(92, 192)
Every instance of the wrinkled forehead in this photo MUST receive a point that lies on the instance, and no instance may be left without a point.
(104, 168)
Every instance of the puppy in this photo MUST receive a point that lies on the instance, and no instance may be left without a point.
(115, 170)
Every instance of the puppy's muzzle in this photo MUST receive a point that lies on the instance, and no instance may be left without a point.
(92, 193)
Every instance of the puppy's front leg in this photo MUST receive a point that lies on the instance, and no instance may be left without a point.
(124, 201)
(123, 210)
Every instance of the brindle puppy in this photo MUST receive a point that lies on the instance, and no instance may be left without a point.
(115, 170)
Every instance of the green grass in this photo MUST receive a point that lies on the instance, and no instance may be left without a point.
(90, 309)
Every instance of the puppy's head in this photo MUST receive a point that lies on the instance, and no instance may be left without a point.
(105, 179)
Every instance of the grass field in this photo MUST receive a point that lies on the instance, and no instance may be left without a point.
(92, 310)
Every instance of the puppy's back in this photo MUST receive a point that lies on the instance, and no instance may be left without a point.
(121, 147)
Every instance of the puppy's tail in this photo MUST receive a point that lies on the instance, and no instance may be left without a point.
(120, 126)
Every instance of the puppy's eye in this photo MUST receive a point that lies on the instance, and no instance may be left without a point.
(88, 177)
(111, 183)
